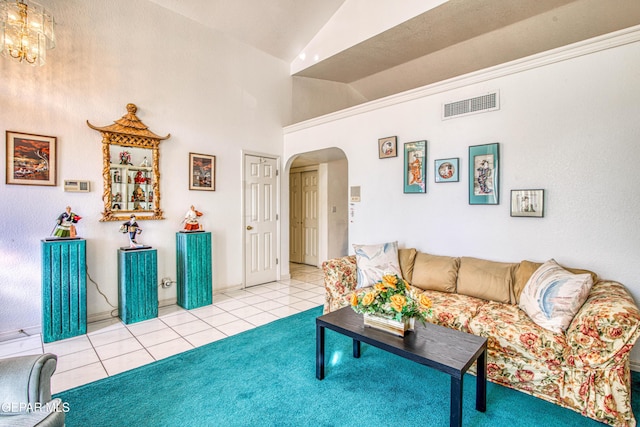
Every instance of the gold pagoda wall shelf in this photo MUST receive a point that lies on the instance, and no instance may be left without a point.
(130, 169)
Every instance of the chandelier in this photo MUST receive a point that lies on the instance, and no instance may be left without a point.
(26, 31)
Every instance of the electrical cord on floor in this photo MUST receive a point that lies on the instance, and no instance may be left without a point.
(115, 309)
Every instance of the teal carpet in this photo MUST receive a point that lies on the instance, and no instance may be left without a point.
(266, 377)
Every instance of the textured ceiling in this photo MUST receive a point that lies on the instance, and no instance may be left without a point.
(281, 28)
(457, 37)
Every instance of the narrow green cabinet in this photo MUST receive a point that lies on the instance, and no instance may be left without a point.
(137, 284)
(193, 258)
(64, 289)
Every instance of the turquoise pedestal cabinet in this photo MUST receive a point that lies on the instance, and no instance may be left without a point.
(64, 289)
(137, 284)
(193, 258)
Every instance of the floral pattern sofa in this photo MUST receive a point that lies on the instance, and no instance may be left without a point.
(585, 368)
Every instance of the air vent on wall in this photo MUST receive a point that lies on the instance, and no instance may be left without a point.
(479, 104)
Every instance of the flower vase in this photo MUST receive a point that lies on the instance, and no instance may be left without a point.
(396, 327)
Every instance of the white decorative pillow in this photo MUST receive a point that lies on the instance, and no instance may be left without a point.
(374, 261)
(553, 296)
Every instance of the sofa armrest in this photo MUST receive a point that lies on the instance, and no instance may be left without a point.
(340, 279)
(605, 328)
(26, 379)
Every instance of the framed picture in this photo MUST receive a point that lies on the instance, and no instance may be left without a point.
(527, 203)
(31, 159)
(415, 167)
(484, 177)
(388, 147)
(446, 170)
(202, 172)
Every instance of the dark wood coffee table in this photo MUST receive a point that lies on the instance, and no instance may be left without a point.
(444, 349)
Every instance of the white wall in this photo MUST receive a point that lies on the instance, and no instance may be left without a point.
(213, 95)
(569, 126)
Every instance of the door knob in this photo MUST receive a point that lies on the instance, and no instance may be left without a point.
(249, 227)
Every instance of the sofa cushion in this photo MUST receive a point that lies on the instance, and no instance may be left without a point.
(433, 272)
(407, 258)
(510, 331)
(553, 296)
(484, 279)
(527, 268)
(452, 310)
(374, 261)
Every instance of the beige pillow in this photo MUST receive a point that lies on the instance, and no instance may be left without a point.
(527, 268)
(407, 258)
(435, 272)
(553, 296)
(485, 279)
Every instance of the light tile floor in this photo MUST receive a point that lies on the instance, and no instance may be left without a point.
(111, 347)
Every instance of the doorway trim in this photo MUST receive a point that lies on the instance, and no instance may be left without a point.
(243, 221)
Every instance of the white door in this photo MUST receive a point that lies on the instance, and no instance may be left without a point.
(295, 218)
(310, 217)
(260, 202)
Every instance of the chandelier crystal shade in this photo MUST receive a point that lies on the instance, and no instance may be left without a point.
(26, 31)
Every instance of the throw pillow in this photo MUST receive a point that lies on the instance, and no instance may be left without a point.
(435, 272)
(374, 261)
(407, 257)
(527, 268)
(488, 280)
(553, 296)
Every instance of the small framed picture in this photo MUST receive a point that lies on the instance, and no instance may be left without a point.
(527, 203)
(202, 172)
(446, 170)
(484, 174)
(31, 159)
(388, 147)
(415, 167)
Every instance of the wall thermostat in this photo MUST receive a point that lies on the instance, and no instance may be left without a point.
(76, 186)
(355, 194)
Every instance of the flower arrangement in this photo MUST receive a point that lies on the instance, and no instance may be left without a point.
(392, 298)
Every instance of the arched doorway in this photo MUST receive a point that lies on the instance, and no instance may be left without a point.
(318, 206)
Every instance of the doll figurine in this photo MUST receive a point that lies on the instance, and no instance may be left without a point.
(65, 224)
(131, 227)
(191, 220)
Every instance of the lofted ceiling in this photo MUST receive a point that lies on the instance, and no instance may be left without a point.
(455, 38)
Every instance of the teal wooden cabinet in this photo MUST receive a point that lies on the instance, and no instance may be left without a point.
(64, 289)
(193, 257)
(137, 285)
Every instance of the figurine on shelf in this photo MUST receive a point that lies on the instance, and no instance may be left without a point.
(125, 158)
(65, 224)
(131, 227)
(139, 178)
(117, 199)
(191, 220)
(116, 176)
(138, 194)
(145, 162)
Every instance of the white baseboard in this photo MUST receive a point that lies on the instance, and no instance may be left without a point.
(22, 333)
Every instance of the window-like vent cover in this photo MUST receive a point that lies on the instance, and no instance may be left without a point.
(479, 104)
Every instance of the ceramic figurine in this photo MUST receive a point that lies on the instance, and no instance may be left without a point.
(191, 220)
(65, 224)
(125, 158)
(139, 178)
(131, 227)
(145, 162)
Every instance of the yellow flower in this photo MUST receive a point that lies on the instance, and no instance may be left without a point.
(424, 301)
(354, 299)
(380, 287)
(398, 302)
(390, 280)
(368, 298)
